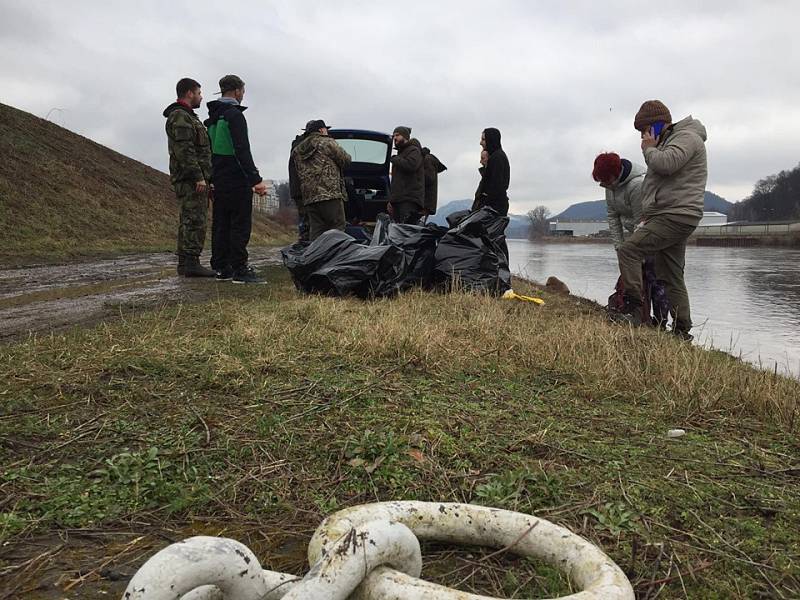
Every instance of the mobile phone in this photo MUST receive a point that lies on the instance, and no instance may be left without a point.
(656, 128)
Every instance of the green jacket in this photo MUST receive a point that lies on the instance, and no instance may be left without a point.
(677, 171)
(189, 146)
(624, 203)
(320, 162)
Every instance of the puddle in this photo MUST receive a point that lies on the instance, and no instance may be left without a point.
(43, 298)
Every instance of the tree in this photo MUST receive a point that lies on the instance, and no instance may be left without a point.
(540, 222)
(282, 191)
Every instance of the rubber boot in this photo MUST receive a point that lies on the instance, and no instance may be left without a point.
(181, 264)
(193, 268)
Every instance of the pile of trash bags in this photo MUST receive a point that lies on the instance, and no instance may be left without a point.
(471, 255)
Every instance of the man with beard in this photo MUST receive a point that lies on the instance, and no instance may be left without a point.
(189, 170)
(407, 196)
(496, 175)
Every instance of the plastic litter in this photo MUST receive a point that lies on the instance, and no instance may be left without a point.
(512, 295)
(676, 433)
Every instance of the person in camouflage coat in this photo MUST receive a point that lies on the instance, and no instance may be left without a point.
(190, 171)
(320, 161)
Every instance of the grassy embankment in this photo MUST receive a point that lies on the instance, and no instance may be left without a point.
(257, 415)
(62, 196)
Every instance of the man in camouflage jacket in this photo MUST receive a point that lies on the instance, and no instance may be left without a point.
(190, 171)
(320, 162)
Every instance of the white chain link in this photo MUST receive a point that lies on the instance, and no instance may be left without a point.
(372, 552)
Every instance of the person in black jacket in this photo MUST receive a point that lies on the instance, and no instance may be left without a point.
(496, 175)
(235, 179)
(407, 194)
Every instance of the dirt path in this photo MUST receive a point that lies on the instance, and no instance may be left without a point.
(48, 297)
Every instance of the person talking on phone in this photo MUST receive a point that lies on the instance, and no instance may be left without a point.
(672, 206)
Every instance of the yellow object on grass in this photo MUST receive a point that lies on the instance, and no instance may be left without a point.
(512, 295)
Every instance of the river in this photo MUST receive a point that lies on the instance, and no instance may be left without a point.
(745, 301)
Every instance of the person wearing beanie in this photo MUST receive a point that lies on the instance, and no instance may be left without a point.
(672, 206)
(496, 174)
(407, 194)
(622, 181)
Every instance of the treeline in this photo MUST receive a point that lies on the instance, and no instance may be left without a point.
(774, 198)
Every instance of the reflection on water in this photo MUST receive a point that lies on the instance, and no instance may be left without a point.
(744, 300)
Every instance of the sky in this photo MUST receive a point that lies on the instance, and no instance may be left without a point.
(562, 80)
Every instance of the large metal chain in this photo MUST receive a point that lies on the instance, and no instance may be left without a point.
(372, 552)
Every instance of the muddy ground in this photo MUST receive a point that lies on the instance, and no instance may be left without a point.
(39, 299)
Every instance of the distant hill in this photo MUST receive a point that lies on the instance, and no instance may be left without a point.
(62, 195)
(774, 198)
(517, 226)
(595, 210)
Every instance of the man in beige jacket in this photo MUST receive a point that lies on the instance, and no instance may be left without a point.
(672, 206)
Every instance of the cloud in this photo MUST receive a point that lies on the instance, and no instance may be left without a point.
(562, 81)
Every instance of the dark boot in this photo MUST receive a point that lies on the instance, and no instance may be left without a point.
(631, 312)
(181, 264)
(193, 268)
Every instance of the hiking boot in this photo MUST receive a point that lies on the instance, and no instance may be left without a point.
(247, 275)
(225, 274)
(682, 334)
(181, 264)
(193, 268)
(631, 313)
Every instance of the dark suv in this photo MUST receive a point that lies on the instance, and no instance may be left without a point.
(367, 177)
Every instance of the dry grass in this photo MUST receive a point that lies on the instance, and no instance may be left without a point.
(256, 416)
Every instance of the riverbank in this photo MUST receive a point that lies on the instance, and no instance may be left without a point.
(256, 414)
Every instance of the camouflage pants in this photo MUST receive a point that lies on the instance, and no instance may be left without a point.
(193, 215)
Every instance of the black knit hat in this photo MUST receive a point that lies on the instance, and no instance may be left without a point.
(404, 131)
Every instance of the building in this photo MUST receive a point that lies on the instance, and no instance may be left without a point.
(578, 228)
(713, 218)
(268, 203)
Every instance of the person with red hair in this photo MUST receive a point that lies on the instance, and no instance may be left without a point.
(622, 181)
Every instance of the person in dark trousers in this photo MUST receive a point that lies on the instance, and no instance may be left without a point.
(476, 203)
(320, 161)
(189, 170)
(672, 206)
(296, 194)
(407, 195)
(497, 173)
(433, 166)
(235, 178)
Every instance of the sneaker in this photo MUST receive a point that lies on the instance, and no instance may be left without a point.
(631, 313)
(682, 334)
(247, 275)
(225, 274)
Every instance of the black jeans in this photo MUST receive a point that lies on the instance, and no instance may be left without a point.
(232, 222)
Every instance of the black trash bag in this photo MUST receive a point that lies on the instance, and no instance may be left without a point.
(475, 253)
(418, 243)
(335, 264)
(454, 218)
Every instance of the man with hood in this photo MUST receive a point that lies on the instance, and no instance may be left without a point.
(407, 194)
(497, 173)
(235, 178)
(672, 206)
(190, 172)
(433, 166)
(320, 162)
(622, 181)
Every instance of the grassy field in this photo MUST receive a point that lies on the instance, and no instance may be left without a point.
(257, 414)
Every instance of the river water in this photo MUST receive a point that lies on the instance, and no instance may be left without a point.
(745, 301)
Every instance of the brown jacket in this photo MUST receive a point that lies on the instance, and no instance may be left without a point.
(677, 171)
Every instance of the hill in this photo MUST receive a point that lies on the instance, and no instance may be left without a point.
(595, 210)
(517, 227)
(774, 198)
(63, 195)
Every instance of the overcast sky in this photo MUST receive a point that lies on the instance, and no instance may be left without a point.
(562, 80)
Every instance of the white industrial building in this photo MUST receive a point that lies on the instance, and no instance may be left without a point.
(713, 218)
(577, 228)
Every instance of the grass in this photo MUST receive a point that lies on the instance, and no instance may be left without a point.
(255, 416)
